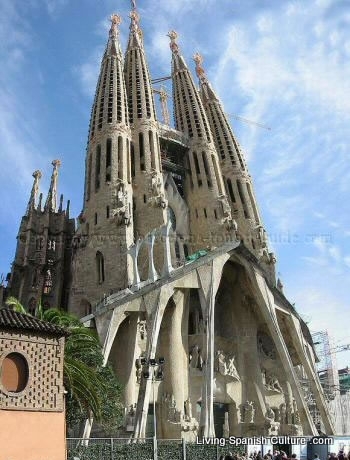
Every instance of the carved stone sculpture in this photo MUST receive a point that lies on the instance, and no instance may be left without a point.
(248, 412)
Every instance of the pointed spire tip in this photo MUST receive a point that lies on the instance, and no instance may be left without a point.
(198, 59)
(173, 45)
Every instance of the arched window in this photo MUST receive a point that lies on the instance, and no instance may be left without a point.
(100, 267)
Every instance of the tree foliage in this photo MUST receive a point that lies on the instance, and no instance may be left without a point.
(92, 389)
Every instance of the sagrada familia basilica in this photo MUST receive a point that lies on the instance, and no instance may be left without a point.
(170, 262)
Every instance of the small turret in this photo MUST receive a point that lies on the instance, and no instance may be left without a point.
(51, 200)
(34, 193)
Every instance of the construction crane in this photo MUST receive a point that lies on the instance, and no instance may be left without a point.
(245, 120)
(164, 104)
(163, 98)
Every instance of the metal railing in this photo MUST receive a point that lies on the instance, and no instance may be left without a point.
(144, 449)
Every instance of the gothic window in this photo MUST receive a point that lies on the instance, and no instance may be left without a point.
(128, 172)
(230, 190)
(206, 169)
(51, 245)
(151, 146)
(108, 160)
(39, 243)
(132, 159)
(120, 157)
(242, 198)
(142, 152)
(48, 281)
(100, 267)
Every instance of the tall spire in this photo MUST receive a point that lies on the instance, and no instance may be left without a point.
(51, 200)
(145, 150)
(113, 45)
(107, 214)
(34, 193)
(237, 180)
(205, 188)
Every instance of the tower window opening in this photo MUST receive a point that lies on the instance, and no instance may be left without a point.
(142, 152)
(128, 168)
(108, 160)
(205, 213)
(100, 267)
(215, 214)
(242, 198)
(144, 199)
(196, 211)
(206, 169)
(95, 218)
(98, 167)
(230, 190)
(151, 147)
(132, 159)
(120, 157)
(107, 212)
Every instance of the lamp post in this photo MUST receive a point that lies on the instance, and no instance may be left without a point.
(152, 369)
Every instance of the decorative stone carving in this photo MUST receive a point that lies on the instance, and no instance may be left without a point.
(283, 414)
(248, 412)
(272, 383)
(120, 204)
(142, 326)
(266, 347)
(272, 426)
(224, 364)
(196, 359)
(227, 215)
(157, 197)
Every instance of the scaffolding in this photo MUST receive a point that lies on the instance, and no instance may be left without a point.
(327, 368)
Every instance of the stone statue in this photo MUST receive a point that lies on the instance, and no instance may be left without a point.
(269, 414)
(220, 365)
(188, 409)
(283, 413)
(231, 368)
(196, 360)
(273, 384)
(248, 412)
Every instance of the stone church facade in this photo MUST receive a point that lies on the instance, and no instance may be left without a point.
(170, 260)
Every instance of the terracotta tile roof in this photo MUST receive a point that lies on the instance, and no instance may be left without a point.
(10, 319)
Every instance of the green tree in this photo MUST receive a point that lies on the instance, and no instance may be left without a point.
(92, 389)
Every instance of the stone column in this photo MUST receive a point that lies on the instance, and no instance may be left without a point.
(177, 367)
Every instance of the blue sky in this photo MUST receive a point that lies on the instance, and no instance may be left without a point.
(281, 63)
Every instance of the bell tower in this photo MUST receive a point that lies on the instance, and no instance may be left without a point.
(106, 223)
(211, 222)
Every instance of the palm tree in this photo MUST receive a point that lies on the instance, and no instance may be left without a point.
(83, 379)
